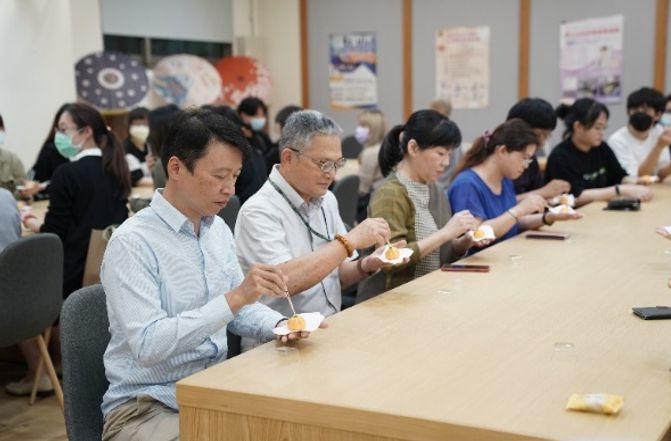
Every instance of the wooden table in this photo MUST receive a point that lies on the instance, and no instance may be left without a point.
(466, 356)
(40, 208)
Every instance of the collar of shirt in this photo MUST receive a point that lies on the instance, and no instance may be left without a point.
(93, 151)
(292, 194)
(172, 216)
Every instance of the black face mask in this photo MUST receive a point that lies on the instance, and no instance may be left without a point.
(640, 121)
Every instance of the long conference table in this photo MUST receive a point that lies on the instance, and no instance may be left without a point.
(471, 356)
(40, 208)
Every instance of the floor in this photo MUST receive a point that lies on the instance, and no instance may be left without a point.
(19, 421)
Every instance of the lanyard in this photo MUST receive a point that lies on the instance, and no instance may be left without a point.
(310, 230)
(305, 222)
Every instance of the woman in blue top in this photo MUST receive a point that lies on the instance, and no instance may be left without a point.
(484, 184)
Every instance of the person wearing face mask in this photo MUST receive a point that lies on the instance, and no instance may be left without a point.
(89, 192)
(12, 172)
(254, 114)
(642, 146)
(586, 161)
(140, 160)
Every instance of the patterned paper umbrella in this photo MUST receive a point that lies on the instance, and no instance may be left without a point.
(111, 80)
(242, 77)
(186, 80)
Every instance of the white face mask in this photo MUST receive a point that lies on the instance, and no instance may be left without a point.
(257, 123)
(665, 120)
(139, 132)
(361, 133)
(3, 135)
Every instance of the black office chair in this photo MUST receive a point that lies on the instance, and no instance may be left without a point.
(351, 147)
(84, 339)
(230, 212)
(346, 191)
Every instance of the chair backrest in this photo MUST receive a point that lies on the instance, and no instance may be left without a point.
(230, 212)
(346, 191)
(31, 287)
(94, 256)
(84, 338)
(371, 287)
(351, 148)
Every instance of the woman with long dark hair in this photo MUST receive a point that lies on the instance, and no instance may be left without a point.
(484, 184)
(89, 192)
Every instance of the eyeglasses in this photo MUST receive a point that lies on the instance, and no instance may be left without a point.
(325, 165)
(66, 130)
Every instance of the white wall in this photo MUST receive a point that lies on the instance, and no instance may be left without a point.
(200, 20)
(279, 29)
(87, 27)
(37, 73)
(269, 30)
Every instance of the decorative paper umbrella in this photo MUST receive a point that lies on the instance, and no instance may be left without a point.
(242, 77)
(186, 80)
(111, 80)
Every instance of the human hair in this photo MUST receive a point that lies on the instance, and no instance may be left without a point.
(515, 134)
(137, 113)
(427, 127)
(113, 155)
(537, 112)
(302, 126)
(229, 114)
(250, 105)
(646, 96)
(441, 106)
(284, 114)
(376, 123)
(584, 110)
(192, 133)
(667, 99)
(160, 121)
(2, 123)
(54, 124)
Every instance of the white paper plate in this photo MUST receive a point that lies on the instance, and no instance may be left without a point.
(312, 322)
(487, 229)
(648, 179)
(403, 253)
(560, 209)
(569, 199)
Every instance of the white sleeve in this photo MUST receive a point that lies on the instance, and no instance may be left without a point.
(623, 152)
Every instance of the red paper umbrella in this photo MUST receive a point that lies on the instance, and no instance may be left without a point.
(242, 77)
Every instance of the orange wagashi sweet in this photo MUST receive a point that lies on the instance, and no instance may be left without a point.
(564, 199)
(565, 210)
(479, 234)
(296, 323)
(392, 253)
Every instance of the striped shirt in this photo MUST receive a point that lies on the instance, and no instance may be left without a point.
(165, 302)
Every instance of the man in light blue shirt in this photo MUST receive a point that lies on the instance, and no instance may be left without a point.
(173, 283)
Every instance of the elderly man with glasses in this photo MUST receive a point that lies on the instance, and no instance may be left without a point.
(293, 221)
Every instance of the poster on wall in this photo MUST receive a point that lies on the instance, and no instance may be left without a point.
(353, 70)
(591, 59)
(462, 66)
